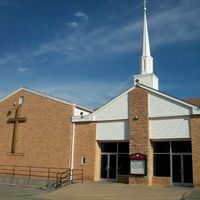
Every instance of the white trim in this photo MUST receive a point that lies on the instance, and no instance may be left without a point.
(167, 96)
(45, 96)
(91, 117)
(113, 100)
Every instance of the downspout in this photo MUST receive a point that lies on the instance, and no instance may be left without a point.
(72, 141)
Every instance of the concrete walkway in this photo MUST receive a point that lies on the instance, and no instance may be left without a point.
(191, 195)
(114, 191)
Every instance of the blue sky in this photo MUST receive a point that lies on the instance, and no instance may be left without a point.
(86, 51)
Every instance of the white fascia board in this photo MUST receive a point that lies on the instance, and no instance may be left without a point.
(6, 97)
(88, 118)
(196, 111)
(83, 108)
(168, 96)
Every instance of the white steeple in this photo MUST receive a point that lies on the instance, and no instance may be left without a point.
(146, 59)
(146, 76)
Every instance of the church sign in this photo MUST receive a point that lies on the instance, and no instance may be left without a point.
(138, 164)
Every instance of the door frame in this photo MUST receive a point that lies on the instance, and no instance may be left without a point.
(108, 165)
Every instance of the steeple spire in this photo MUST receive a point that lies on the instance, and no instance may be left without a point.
(146, 76)
(146, 59)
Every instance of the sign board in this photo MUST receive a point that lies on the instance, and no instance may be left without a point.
(138, 167)
(138, 164)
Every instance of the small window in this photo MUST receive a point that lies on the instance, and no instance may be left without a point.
(161, 147)
(82, 160)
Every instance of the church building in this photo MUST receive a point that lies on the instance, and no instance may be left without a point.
(142, 136)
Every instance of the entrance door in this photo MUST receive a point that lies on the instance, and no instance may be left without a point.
(182, 169)
(108, 166)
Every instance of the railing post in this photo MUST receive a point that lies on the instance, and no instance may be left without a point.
(13, 174)
(29, 174)
(48, 174)
(82, 175)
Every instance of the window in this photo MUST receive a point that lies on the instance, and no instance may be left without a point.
(181, 147)
(161, 159)
(162, 155)
(123, 147)
(109, 147)
(162, 165)
(123, 164)
(161, 147)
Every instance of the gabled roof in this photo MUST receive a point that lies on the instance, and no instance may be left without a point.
(180, 101)
(46, 96)
(193, 101)
(162, 94)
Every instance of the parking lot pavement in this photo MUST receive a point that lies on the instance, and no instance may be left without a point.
(15, 192)
(192, 195)
(115, 191)
(98, 191)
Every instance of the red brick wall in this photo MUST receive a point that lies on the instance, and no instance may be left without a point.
(44, 139)
(139, 132)
(86, 146)
(195, 133)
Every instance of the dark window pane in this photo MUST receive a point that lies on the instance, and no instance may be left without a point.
(176, 168)
(123, 164)
(109, 147)
(187, 163)
(104, 163)
(161, 147)
(123, 147)
(162, 165)
(181, 146)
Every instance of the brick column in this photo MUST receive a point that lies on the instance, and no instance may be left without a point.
(195, 134)
(139, 132)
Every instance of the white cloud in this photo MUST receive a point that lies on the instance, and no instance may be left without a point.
(169, 26)
(82, 15)
(174, 25)
(72, 24)
(80, 20)
(22, 69)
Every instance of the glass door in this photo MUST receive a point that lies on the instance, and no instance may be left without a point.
(187, 174)
(182, 169)
(177, 169)
(108, 166)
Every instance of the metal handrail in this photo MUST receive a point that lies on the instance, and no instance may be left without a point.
(31, 171)
(67, 177)
(55, 176)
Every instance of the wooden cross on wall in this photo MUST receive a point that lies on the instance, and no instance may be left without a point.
(16, 120)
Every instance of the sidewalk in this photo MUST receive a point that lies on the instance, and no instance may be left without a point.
(192, 195)
(115, 191)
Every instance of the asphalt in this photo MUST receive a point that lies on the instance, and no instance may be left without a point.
(99, 191)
